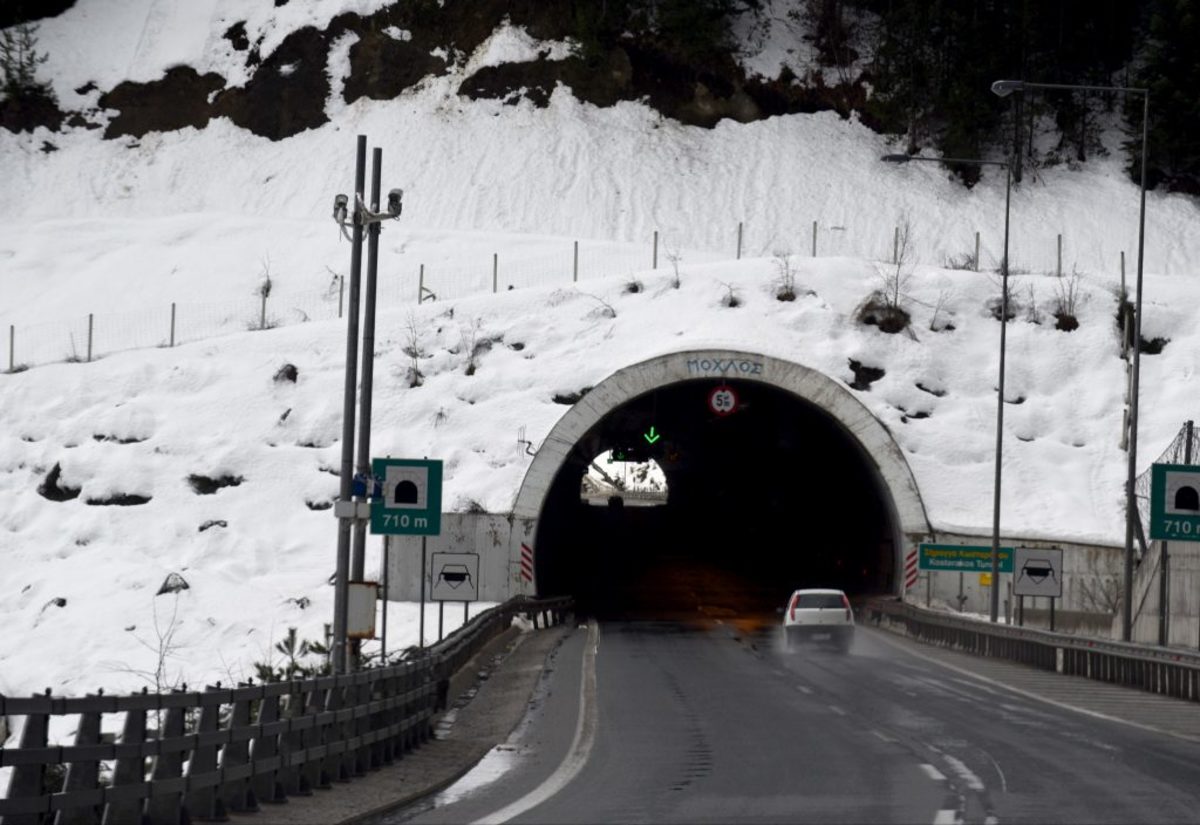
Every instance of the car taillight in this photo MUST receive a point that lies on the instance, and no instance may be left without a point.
(846, 602)
(795, 601)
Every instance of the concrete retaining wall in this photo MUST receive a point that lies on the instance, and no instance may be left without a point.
(482, 533)
(1183, 597)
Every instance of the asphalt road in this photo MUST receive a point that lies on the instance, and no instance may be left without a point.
(685, 722)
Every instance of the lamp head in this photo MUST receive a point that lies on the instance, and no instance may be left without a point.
(895, 158)
(1004, 88)
(340, 203)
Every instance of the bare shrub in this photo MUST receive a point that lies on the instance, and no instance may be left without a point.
(785, 278)
(412, 348)
(1066, 301)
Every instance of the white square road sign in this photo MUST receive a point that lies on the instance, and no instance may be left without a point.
(1037, 571)
(454, 577)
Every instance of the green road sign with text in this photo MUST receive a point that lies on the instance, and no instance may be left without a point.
(410, 500)
(964, 558)
(1175, 502)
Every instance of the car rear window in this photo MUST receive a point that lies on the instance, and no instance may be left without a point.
(815, 600)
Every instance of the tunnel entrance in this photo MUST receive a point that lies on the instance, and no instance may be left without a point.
(768, 496)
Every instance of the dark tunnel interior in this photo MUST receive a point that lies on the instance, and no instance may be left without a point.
(761, 501)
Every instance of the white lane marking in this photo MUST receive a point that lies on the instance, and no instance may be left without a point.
(934, 773)
(883, 736)
(581, 746)
(807, 691)
(964, 773)
(1000, 773)
(882, 636)
(946, 816)
(837, 710)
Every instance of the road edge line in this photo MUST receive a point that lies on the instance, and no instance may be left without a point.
(581, 745)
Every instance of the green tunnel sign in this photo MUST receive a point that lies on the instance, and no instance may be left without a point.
(963, 558)
(410, 497)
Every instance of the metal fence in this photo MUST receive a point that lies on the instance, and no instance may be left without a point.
(201, 755)
(1170, 672)
(90, 336)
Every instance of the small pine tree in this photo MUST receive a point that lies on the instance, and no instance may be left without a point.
(19, 60)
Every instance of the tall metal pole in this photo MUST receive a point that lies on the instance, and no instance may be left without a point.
(995, 608)
(358, 556)
(1130, 492)
(340, 599)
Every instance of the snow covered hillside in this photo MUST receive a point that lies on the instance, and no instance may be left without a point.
(122, 228)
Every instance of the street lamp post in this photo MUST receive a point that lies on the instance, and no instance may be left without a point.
(350, 502)
(1004, 88)
(995, 600)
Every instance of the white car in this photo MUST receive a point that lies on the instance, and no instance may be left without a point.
(818, 615)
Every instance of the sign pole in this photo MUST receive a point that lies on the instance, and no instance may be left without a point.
(466, 612)
(1020, 611)
(422, 630)
(383, 649)
(441, 618)
(1052, 600)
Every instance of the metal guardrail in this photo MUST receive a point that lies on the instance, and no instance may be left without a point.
(222, 750)
(1160, 670)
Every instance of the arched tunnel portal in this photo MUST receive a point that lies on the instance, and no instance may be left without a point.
(798, 485)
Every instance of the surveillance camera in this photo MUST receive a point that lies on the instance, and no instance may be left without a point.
(394, 205)
(340, 203)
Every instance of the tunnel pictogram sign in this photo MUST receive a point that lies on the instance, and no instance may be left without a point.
(1175, 502)
(455, 577)
(1037, 571)
(410, 497)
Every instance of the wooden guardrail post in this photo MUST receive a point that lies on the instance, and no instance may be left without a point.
(235, 758)
(124, 798)
(297, 781)
(264, 752)
(83, 776)
(206, 802)
(30, 780)
(166, 804)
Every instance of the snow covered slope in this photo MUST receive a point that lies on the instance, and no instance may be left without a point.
(192, 216)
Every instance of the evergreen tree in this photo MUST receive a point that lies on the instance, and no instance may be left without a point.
(1171, 72)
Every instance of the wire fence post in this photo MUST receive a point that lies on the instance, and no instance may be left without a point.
(421, 285)
(814, 244)
(896, 245)
(654, 259)
(976, 250)
(341, 293)
(1059, 270)
(172, 324)
(575, 266)
(91, 321)
(739, 243)
(12, 338)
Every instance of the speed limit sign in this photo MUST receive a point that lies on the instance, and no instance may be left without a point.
(722, 400)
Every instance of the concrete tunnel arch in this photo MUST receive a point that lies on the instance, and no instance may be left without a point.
(875, 444)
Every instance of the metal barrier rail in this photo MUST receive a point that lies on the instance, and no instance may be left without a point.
(1161, 670)
(242, 746)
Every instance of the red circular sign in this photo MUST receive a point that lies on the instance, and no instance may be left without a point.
(723, 400)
